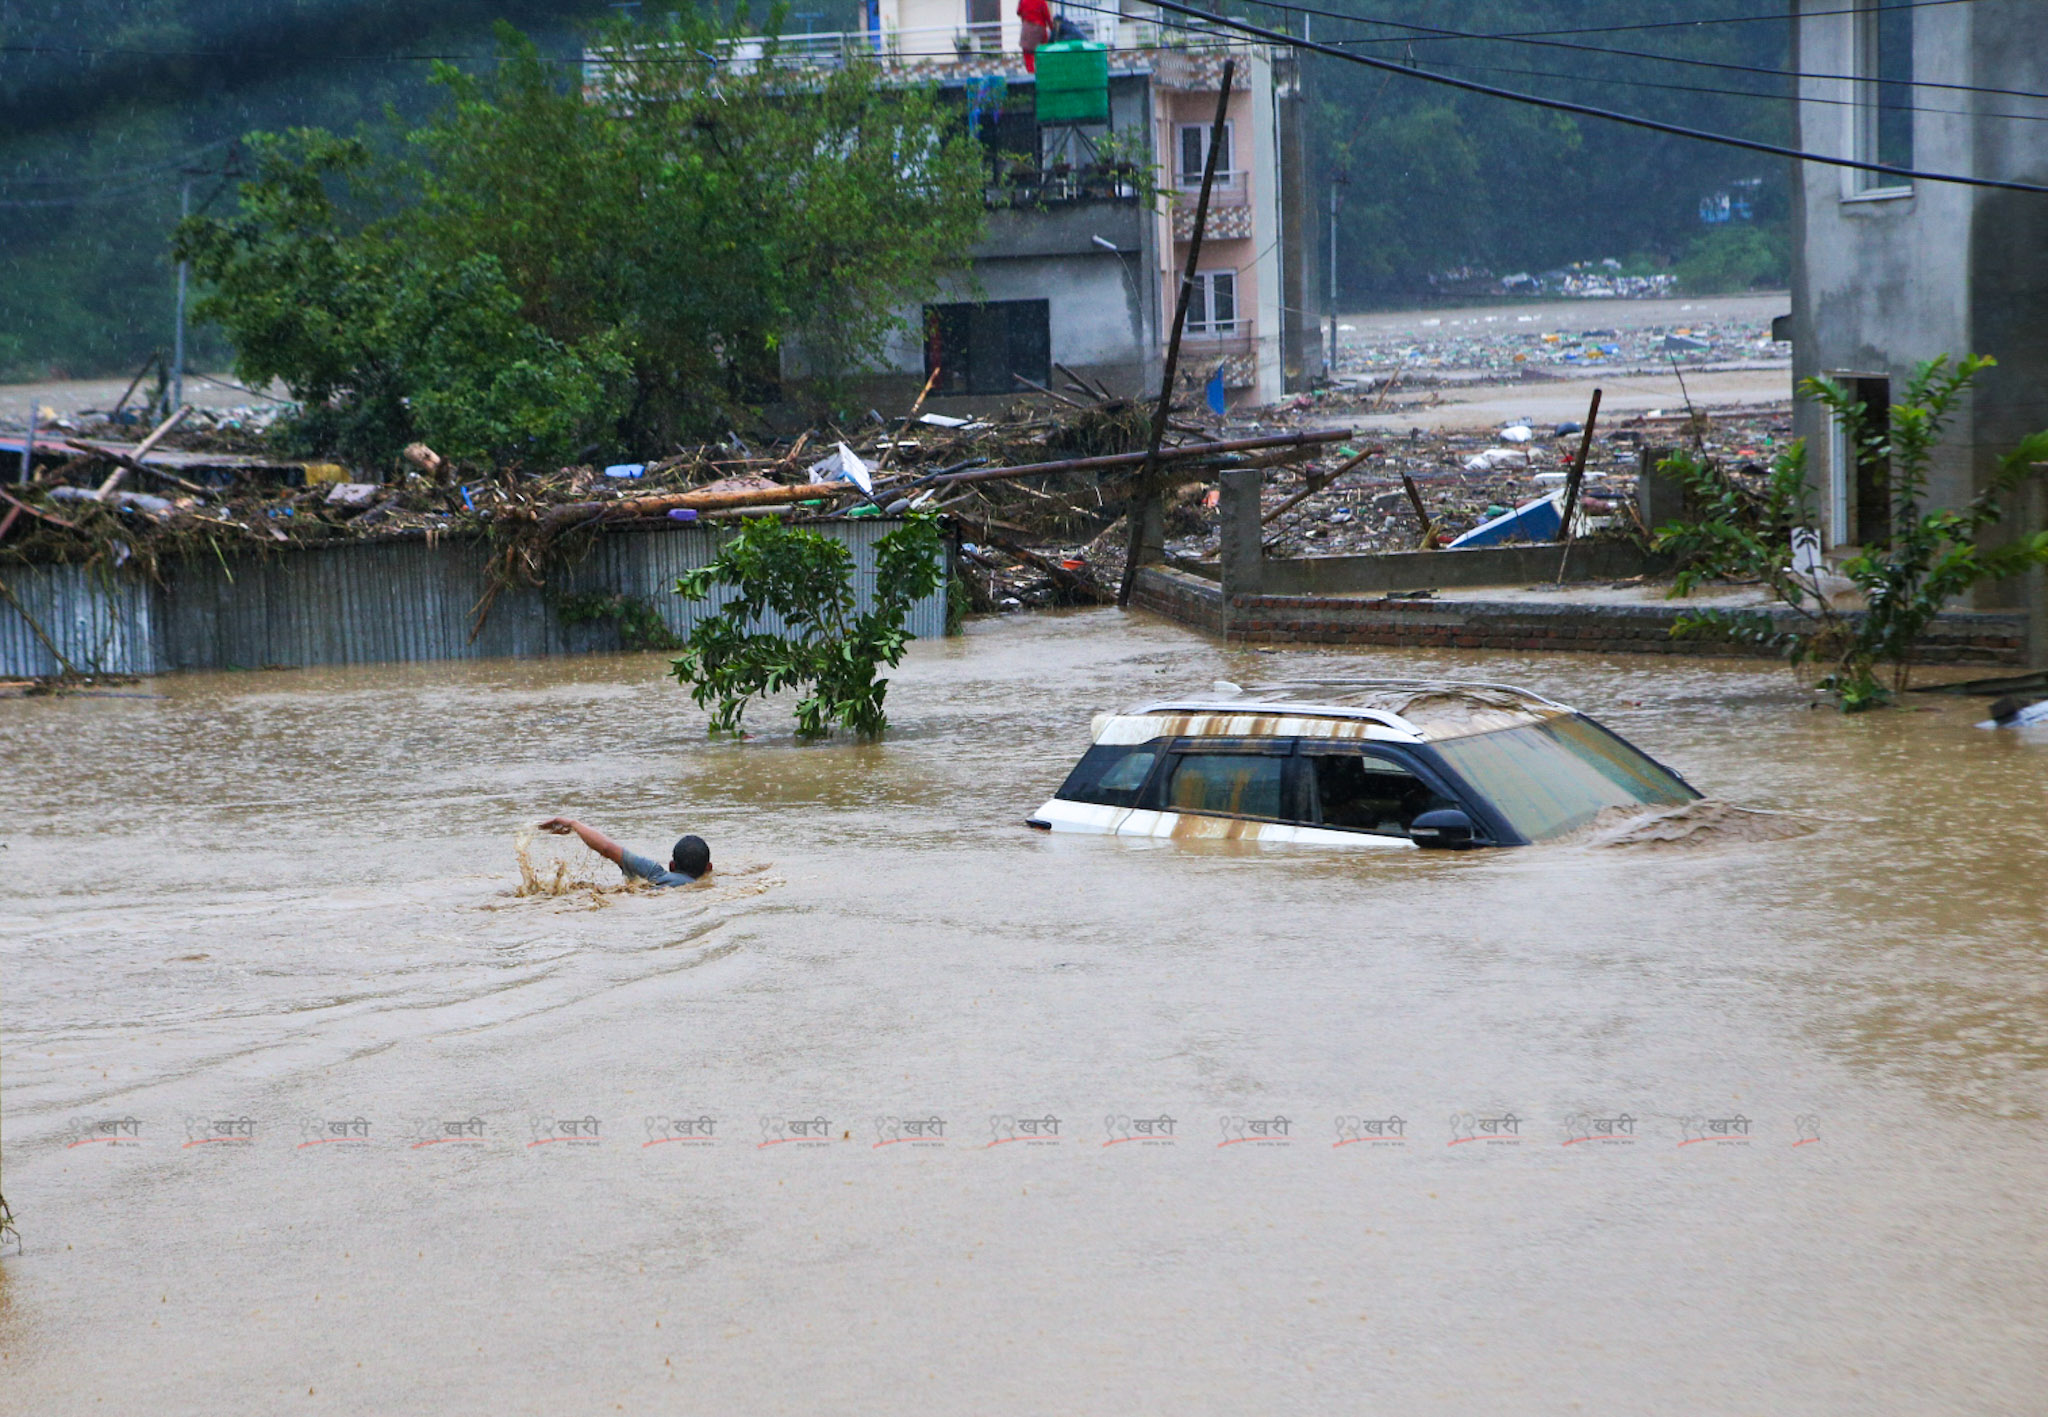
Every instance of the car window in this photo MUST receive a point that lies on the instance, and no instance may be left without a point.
(1231, 784)
(1551, 778)
(1110, 774)
(1363, 793)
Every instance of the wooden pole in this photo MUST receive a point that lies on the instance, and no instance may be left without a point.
(1317, 482)
(1578, 472)
(142, 450)
(1421, 512)
(1148, 479)
(1571, 487)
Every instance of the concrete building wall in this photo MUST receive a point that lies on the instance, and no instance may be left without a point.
(1885, 279)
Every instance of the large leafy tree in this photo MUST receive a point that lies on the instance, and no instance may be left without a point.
(612, 255)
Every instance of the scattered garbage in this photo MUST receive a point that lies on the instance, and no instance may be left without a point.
(844, 466)
(626, 470)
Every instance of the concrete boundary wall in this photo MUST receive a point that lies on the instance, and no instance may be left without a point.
(1445, 570)
(365, 603)
(1968, 637)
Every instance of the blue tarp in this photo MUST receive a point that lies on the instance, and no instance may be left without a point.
(1539, 520)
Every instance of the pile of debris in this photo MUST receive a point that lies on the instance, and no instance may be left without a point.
(1056, 468)
(1430, 487)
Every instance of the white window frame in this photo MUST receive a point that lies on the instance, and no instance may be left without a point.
(1202, 304)
(1226, 172)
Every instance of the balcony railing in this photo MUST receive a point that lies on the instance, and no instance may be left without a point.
(1219, 337)
(941, 46)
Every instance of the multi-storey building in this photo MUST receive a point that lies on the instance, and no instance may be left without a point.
(1084, 250)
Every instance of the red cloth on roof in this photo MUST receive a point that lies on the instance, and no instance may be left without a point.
(1038, 13)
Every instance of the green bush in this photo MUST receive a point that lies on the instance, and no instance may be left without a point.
(826, 644)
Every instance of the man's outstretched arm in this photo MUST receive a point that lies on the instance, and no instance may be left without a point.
(593, 838)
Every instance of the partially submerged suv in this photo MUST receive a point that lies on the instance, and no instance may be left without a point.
(1356, 762)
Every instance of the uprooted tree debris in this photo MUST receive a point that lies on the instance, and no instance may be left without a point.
(1038, 493)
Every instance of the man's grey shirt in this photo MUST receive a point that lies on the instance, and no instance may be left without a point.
(634, 864)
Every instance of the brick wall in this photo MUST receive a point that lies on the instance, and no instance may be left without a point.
(1958, 638)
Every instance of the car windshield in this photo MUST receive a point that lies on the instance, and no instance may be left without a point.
(1551, 778)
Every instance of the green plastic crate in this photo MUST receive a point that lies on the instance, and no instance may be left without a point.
(1073, 82)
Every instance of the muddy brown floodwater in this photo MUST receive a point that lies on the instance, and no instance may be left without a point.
(284, 901)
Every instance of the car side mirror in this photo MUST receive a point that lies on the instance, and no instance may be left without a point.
(1445, 829)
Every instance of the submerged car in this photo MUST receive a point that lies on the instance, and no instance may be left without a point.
(1356, 762)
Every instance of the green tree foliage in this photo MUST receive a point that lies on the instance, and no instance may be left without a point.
(827, 645)
(1935, 556)
(1734, 258)
(541, 267)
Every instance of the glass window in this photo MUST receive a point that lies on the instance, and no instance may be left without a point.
(1194, 154)
(1368, 794)
(1212, 303)
(1552, 778)
(1227, 784)
(1110, 774)
(1883, 114)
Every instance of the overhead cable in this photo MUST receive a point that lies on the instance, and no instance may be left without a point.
(1582, 109)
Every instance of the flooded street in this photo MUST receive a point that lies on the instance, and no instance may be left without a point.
(285, 900)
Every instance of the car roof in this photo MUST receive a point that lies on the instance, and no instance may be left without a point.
(1419, 709)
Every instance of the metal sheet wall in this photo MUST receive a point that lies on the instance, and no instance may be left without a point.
(366, 604)
(104, 623)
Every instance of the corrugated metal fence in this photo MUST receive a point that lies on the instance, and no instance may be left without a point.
(365, 603)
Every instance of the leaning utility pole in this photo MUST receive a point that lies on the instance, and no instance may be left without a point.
(178, 339)
(1147, 490)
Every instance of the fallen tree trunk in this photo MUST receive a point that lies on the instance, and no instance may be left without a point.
(1119, 460)
(666, 502)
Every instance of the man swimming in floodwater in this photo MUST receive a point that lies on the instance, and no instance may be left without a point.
(690, 860)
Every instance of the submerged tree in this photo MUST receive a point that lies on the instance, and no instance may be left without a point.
(791, 620)
(1933, 557)
(613, 254)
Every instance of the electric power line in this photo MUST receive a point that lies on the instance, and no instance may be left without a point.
(1735, 93)
(1423, 33)
(1566, 106)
